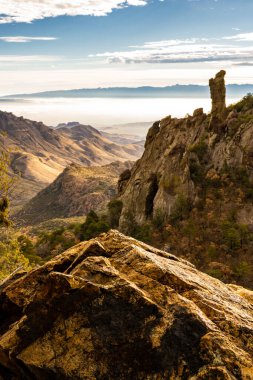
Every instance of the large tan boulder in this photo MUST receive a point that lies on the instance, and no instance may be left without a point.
(115, 308)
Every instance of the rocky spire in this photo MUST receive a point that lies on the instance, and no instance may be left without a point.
(218, 95)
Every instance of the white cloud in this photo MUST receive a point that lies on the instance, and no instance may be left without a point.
(23, 39)
(188, 50)
(246, 37)
(29, 10)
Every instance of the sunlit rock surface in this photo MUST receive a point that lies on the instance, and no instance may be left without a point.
(115, 308)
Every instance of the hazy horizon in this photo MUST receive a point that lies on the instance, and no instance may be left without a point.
(103, 112)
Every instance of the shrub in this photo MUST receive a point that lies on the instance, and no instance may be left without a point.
(133, 229)
(181, 209)
(243, 105)
(170, 184)
(114, 212)
(93, 226)
(215, 273)
(196, 171)
(4, 214)
(27, 248)
(159, 220)
(212, 252)
(243, 269)
(200, 149)
(11, 258)
(231, 235)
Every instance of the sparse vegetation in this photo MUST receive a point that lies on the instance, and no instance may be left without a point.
(200, 149)
(244, 105)
(11, 256)
(181, 209)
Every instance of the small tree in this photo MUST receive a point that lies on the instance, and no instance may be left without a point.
(114, 212)
(93, 226)
(11, 257)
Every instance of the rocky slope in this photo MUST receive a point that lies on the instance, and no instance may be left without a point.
(75, 192)
(196, 177)
(40, 153)
(115, 308)
(177, 149)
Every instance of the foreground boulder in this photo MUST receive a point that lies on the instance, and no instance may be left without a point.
(115, 308)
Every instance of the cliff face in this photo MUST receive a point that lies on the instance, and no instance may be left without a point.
(182, 155)
(115, 308)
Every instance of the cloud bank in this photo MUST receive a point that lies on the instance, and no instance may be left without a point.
(30, 10)
(230, 48)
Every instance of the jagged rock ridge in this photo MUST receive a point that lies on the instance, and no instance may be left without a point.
(180, 153)
(115, 308)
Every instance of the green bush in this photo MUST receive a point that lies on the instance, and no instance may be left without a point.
(27, 248)
(133, 229)
(197, 173)
(4, 212)
(93, 226)
(55, 242)
(243, 269)
(181, 209)
(114, 212)
(11, 258)
(159, 220)
(216, 273)
(200, 149)
(243, 105)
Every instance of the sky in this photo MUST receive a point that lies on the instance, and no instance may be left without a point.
(57, 44)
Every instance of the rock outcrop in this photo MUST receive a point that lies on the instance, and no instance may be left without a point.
(218, 95)
(115, 308)
(182, 155)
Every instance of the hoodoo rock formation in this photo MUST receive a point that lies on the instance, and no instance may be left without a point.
(218, 95)
(114, 308)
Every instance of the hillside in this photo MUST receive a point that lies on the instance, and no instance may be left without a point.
(115, 308)
(40, 154)
(75, 192)
(192, 190)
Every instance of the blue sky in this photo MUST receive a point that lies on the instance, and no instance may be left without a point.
(56, 44)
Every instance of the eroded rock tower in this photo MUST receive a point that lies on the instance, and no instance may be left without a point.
(218, 95)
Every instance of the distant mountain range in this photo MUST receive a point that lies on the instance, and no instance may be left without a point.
(177, 91)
